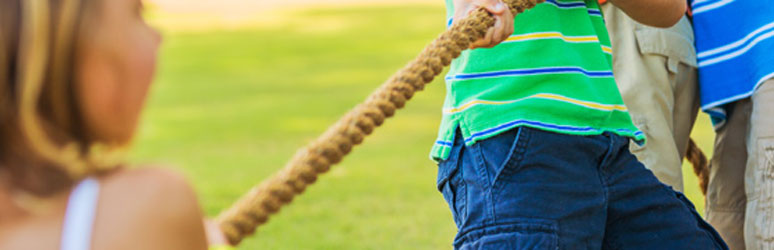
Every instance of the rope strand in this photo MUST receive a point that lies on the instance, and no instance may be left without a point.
(262, 201)
(700, 166)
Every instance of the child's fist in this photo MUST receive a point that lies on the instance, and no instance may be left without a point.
(503, 27)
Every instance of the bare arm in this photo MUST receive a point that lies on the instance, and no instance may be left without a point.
(148, 208)
(658, 13)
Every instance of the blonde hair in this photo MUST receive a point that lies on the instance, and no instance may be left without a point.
(42, 127)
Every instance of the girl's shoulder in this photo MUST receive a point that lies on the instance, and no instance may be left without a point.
(147, 207)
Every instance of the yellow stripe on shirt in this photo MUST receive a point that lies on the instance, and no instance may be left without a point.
(607, 49)
(555, 97)
(551, 35)
(593, 105)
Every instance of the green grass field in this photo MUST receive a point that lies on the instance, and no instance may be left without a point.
(230, 106)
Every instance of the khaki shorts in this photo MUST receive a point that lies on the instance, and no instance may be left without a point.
(656, 73)
(740, 197)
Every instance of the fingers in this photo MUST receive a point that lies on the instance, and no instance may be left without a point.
(502, 29)
(492, 37)
(503, 26)
(499, 30)
(496, 7)
(486, 41)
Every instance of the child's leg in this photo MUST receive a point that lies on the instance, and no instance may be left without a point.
(526, 189)
(645, 214)
(759, 177)
(655, 70)
(726, 198)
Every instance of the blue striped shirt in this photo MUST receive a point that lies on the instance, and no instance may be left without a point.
(735, 50)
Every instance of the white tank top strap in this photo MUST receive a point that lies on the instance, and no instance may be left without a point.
(79, 216)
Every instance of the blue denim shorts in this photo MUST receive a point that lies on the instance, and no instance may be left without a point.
(532, 189)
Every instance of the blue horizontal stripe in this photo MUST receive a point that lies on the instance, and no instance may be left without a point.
(525, 122)
(566, 5)
(595, 12)
(638, 133)
(524, 72)
(541, 125)
(444, 143)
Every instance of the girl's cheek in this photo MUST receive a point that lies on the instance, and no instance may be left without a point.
(144, 53)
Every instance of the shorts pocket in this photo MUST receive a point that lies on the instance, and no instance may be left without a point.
(764, 208)
(503, 172)
(499, 156)
(449, 183)
(527, 233)
(675, 43)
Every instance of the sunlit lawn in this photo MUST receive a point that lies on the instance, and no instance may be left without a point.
(231, 106)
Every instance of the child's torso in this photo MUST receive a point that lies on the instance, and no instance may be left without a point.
(554, 73)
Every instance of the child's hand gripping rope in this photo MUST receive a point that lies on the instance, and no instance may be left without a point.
(478, 29)
(503, 16)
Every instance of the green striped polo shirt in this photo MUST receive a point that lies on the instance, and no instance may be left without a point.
(554, 73)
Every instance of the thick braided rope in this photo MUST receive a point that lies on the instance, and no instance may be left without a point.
(700, 166)
(256, 206)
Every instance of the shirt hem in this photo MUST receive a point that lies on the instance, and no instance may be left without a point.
(441, 152)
